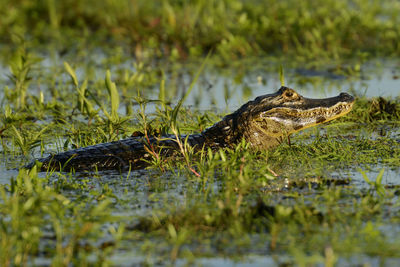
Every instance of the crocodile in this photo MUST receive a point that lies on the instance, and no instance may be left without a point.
(263, 122)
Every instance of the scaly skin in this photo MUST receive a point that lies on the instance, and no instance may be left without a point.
(263, 122)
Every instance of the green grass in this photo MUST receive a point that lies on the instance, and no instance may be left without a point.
(226, 203)
(80, 73)
(230, 28)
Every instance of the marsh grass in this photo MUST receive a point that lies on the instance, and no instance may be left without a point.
(32, 211)
(297, 200)
(300, 203)
(234, 208)
(232, 28)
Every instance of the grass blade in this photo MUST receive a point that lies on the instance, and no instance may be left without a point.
(281, 76)
(113, 92)
(380, 177)
(365, 177)
(71, 73)
(178, 106)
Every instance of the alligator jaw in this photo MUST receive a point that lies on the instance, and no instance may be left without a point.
(292, 120)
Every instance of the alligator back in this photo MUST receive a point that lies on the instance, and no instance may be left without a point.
(130, 153)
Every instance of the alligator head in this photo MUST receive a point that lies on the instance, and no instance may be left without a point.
(264, 121)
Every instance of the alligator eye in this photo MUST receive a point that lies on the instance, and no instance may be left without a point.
(289, 94)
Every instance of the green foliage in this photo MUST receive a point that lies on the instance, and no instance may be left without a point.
(233, 28)
(29, 206)
(114, 96)
(377, 184)
(281, 76)
(300, 203)
(84, 104)
(27, 140)
(376, 110)
(21, 64)
(176, 109)
(216, 203)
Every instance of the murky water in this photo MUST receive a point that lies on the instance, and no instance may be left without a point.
(225, 91)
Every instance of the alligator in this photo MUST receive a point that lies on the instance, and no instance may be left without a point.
(264, 123)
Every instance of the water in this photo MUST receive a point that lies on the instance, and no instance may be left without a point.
(230, 92)
(391, 177)
(223, 91)
(227, 89)
(132, 259)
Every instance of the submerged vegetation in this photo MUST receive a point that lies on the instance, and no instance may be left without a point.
(328, 195)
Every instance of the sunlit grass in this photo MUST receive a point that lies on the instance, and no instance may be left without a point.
(81, 73)
(231, 28)
(296, 200)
